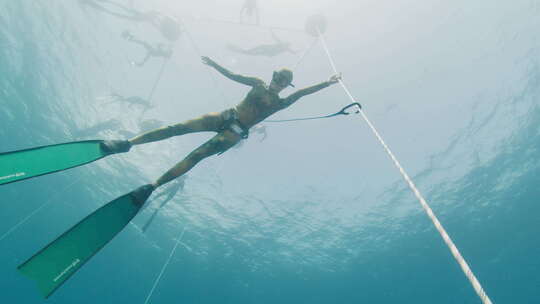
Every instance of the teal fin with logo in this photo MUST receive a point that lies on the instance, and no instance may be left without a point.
(59, 260)
(23, 164)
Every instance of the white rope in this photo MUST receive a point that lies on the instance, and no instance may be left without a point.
(199, 53)
(158, 79)
(164, 266)
(304, 54)
(455, 252)
(26, 218)
(156, 83)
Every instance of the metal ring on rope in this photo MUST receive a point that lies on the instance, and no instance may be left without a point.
(158, 279)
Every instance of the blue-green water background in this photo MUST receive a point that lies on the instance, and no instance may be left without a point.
(316, 213)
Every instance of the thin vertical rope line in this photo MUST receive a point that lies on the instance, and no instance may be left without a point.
(305, 53)
(158, 79)
(453, 249)
(165, 266)
(26, 218)
(199, 53)
(153, 90)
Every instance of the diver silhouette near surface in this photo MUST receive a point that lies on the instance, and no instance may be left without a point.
(169, 26)
(250, 8)
(160, 50)
(270, 50)
(130, 100)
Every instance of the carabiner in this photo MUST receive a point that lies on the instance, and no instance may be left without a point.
(344, 110)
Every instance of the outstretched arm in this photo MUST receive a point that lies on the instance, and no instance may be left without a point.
(250, 81)
(310, 90)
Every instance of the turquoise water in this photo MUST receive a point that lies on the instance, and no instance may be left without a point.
(316, 213)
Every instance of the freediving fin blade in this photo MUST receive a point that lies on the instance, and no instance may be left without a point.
(60, 259)
(22, 164)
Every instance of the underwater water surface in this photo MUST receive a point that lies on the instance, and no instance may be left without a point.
(314, 213)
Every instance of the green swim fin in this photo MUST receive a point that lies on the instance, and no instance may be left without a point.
(59, 260)
(22, 164)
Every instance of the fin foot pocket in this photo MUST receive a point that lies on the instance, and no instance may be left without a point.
(115, 146)
(141, 194)
(27, 163)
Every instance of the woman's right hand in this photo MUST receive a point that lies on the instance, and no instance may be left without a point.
(335, 78)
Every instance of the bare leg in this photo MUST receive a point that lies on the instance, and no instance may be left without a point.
(219, 143)
(209, 122)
